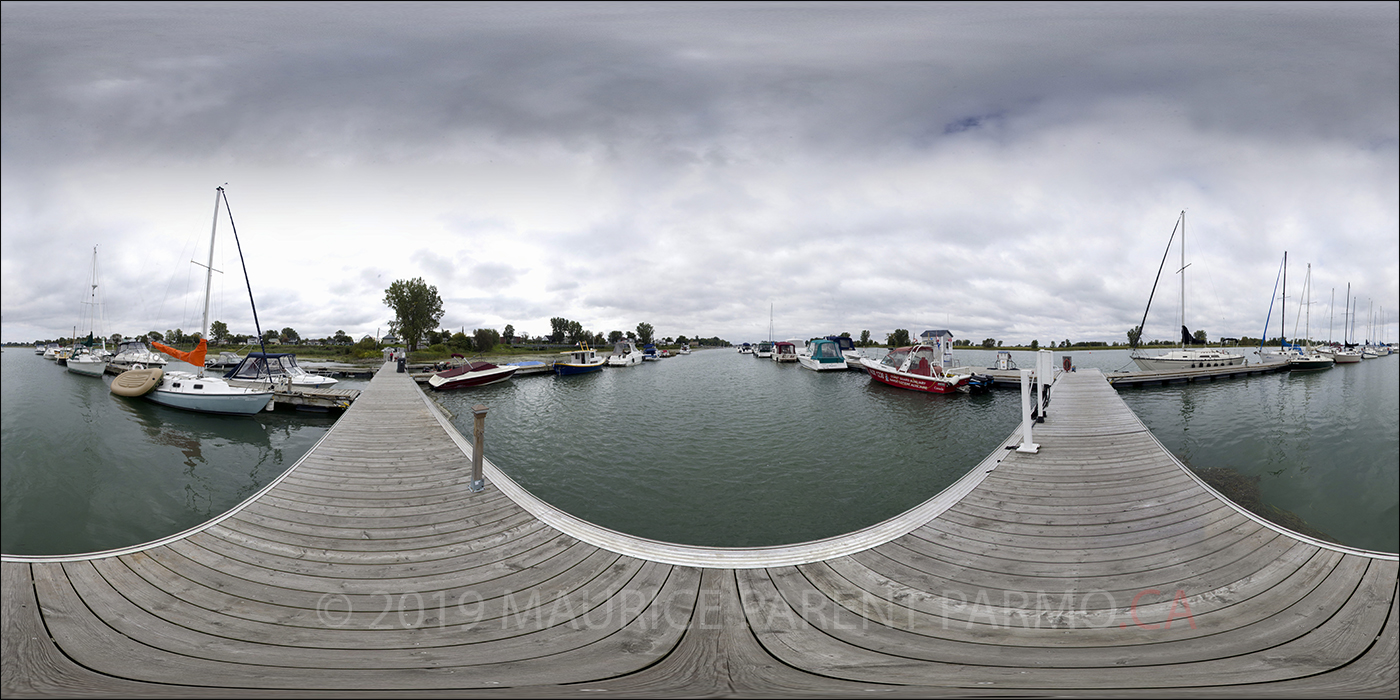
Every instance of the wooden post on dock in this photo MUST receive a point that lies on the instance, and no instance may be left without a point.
(478, 446)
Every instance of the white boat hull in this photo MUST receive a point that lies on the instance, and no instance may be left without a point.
(208, 395)
(1187, 359)
(90, 368)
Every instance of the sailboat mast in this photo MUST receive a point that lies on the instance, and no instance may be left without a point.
(1283, 306)
(1307, 305)
(1331, 311)
(209, 269)
(1183, 278)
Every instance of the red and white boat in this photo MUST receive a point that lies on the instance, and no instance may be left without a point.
(925, 367)
(472, 374)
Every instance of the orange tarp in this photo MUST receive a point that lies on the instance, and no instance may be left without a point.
(194, 357)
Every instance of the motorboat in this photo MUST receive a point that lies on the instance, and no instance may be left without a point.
(624, 354)
(784, 351)
(746, 349)
(848, 350)
(276, 368)
(822, 355)
(478, 373)
(685, 349)
(224, 362)
(649, 353)
(135, 354)
(920, 368)
(581, 361)
(763, 349)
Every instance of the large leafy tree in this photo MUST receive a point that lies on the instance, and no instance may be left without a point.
(218, 332)
(898, 339)
(417, 308)
(644, 331)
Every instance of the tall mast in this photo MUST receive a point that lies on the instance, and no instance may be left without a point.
(1183, 278)
(1283, 306)
(1330, 309)
(209, 269)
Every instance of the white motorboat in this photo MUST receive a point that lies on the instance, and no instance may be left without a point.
(625, 354)
(822, 355)
(134, 354)
(275, 368)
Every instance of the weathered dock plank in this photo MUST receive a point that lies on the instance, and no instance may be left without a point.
(1096, 566)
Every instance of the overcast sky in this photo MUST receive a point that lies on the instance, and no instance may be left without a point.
(1001, 170)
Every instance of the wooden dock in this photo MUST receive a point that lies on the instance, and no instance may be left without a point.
(1097, 566)
(1012, 378)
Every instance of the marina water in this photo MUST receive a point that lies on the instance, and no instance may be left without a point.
(715, 448)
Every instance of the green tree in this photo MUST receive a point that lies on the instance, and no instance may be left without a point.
(367, 343)
(218, 332)
(865, 339)
(1134, 335)
(558, 328)
(486, 339)
(417, 308)
(898, 339)
(460, 341)
(614, 337)
(269, 336)
(508, 334)
(155, 336)
(644, 331)
(289, 335)
(341, 338)
(989, 342)
(1035, 344)
(576, 333)
(1199, 336)
(116, 338)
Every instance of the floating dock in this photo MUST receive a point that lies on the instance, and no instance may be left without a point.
(1012, 378)
(1096, 566)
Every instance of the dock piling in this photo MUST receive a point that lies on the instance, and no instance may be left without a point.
(478, 446)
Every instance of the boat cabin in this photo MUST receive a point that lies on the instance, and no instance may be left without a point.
(921, 360)
(273, 366)
(823, 350)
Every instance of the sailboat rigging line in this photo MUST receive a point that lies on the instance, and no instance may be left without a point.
(262, 342)
(1159, 278)
(1265, 335)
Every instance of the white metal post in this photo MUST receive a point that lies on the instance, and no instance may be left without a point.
(1026, 444)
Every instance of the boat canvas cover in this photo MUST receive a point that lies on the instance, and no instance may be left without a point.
(264, 365)
(194, 357)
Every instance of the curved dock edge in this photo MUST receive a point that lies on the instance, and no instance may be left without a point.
(728, 557)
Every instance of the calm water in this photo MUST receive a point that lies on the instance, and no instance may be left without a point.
(84, 470)
(713, 448)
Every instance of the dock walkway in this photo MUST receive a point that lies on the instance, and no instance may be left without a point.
(1098, 566)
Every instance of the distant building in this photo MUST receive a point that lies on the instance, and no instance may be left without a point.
(932, 336)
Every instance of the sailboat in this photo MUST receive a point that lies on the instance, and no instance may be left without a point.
(85, 360)
(1183, 357)
(195, 391)
(1305, 357)
(1346, 353)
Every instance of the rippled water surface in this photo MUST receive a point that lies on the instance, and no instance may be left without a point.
(84, 470)
(714, 448)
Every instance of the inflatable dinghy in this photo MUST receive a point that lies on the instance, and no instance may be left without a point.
(137, 382)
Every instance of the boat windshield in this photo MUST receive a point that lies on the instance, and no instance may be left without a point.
(825, 350)
(923, 361)
(895, 357)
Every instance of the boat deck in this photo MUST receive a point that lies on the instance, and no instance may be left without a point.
(1096, 566)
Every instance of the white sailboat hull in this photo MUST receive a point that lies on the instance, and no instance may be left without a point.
(1187, 359)
(208, 395)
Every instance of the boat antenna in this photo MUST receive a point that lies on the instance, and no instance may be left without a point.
(262, 342)
(1155, 281)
